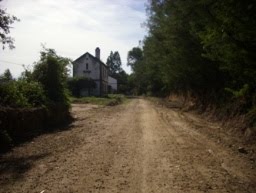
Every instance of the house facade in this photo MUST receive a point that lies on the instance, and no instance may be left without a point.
(92, 67)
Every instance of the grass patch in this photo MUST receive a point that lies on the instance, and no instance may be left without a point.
(109, 100)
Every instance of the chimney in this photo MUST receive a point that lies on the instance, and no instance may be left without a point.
(97, 53)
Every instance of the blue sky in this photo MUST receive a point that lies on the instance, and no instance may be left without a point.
(72, 27)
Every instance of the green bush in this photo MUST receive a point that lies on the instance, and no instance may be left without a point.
(10, 96)
(76, 84)
(34, 93)
(22, 94)
(51, 71)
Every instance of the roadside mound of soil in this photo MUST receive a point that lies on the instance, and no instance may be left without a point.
(233, 123)
(230, 131)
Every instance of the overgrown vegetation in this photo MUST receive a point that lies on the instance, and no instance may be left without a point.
(116, 71)
(78, 84)
(44, 87)
(52, 73)
(22, 94)
(202, 49)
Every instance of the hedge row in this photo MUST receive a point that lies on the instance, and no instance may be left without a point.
(18, 125)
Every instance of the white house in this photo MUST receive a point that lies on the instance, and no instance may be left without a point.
(92, 67)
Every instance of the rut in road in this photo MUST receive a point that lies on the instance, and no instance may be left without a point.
(136, 147)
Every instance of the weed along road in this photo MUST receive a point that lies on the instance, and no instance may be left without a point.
(135, 147)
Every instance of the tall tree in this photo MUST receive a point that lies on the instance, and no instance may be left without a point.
(139, 78)
(134, 57)
(204, 48)
(7, 75)
(5, 24)
(51, 71)
(114, 63)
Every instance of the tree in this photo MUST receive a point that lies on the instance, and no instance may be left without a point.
(134, 57)
(5, 24)
(230, 41)
(114, 63)
(6, 76)
(122, 80)
(201, 48)
(51, 71)
(20, 93)
(140, 71)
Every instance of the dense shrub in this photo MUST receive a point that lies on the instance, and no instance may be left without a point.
(51, 71)
(22, 94)
(76, 84)
(34, 93)
(44, 88)
(45, 85)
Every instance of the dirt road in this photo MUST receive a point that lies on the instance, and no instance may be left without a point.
(134, 147)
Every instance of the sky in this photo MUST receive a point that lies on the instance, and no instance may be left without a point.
(72, 27)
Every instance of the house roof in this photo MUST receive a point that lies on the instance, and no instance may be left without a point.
(94, 58)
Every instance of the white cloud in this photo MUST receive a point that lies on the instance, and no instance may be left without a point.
(73, 27)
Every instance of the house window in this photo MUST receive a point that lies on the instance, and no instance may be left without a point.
(87, 66)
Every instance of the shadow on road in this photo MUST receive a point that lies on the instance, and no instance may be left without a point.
(17, 166)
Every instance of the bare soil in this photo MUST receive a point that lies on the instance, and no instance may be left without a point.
(134, 147)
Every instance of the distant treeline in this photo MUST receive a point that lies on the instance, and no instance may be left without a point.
(205, 49)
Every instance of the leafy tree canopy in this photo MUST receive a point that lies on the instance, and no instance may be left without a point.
(114, 63)
(204, 49)
(5, 24)
(6, 76)
(134, 57)
(52, 72)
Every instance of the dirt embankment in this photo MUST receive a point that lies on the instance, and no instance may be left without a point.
(134, 147)
(230, 117)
